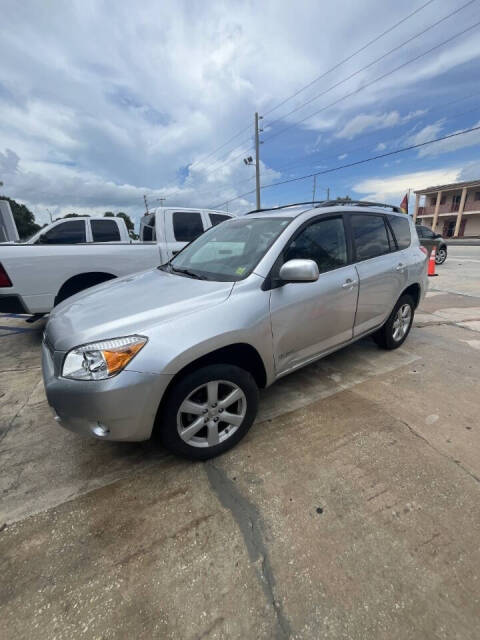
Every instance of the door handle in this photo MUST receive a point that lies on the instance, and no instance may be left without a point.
(348, 284)
(400, 267)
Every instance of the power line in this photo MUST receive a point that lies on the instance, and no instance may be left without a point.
(370, 64)
(350, 151)
(220, 147)
(339, 64)
(353, 164)
(381, 77)
(368, 44)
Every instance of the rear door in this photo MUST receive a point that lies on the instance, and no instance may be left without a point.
(182, 227)
(381, 268)
(310, 318)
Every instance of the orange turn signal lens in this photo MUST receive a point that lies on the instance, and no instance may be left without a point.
(118, 359)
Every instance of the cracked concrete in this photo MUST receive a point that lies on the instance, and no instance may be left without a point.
(350, 510)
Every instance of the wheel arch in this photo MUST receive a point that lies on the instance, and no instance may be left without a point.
(414, 292)
(80, 282)
(240, 354)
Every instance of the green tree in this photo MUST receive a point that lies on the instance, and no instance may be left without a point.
(77, 215)
(108, 214)
(24, 219)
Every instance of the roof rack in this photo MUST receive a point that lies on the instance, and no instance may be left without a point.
(359, 203)
(285, 206)
(331, 203)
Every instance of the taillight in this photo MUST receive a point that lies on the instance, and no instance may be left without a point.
(4, 279)
(425, 250)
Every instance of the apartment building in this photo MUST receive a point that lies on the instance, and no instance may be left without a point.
(450, 209)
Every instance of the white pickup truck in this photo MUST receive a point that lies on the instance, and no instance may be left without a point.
(35, 278)
(82, 229)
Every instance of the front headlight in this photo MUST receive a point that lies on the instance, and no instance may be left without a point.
(100, 360)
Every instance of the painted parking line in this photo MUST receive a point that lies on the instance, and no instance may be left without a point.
(12, 330)
(13, 315)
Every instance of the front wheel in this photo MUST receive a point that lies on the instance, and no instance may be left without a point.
(208, 411)
(441, 255)
(396, 329)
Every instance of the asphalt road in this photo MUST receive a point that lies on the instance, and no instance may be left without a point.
(351, 509)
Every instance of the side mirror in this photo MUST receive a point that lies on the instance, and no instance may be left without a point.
(299, 271)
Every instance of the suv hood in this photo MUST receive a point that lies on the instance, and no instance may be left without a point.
(130, 305)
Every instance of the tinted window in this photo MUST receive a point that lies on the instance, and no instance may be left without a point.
(70, 232)
(104, 230)
(427, 233)
(216, 218)
(419, 231)
(369, 235)
(401, 230)
(187, 225)
(322, 241)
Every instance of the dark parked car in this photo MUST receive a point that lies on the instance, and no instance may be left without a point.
(429, 239)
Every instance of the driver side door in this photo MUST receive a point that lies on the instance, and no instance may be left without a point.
(311, 318)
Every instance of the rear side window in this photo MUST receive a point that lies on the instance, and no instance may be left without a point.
(104, 230)
(216, 218)
(187, 225)
(401, 230)
(322, 241)
(71, 232)
(369, 236)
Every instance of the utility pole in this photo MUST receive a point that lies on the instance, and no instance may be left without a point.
(146, 203)
(314, 187)
(161, 200)
(328, 193)
(257, 158)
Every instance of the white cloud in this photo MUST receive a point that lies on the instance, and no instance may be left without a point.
(373, 122)
(102, 103)
(342, 156)
(394, 187)
(381, 146)
(451, 144)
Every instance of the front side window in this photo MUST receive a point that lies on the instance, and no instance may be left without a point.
(401, 229)
(104, 231)
(322, 241)
(187, 225)
(71, 232)
(230, 251)
(369, 236)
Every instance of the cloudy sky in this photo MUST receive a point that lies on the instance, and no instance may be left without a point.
(102, 102)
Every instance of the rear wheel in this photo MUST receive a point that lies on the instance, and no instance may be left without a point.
(396, 329)
(208, 411)
(441, 255)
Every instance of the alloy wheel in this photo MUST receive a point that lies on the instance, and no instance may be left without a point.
(211, 413)
(402, 321)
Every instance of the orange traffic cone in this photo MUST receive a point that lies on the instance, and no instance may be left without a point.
(431, 263)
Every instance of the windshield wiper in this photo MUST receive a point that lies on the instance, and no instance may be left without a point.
(187, 272)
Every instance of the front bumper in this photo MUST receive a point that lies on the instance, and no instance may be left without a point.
(124, 406)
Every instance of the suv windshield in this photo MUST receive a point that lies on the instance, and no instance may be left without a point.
(230, 251)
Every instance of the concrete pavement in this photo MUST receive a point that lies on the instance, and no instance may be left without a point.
(351, 509)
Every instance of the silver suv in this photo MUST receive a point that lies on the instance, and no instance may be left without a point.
(181, 350)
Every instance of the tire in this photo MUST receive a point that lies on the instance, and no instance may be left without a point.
(209, 435)
(385, 336)
(441, 255)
